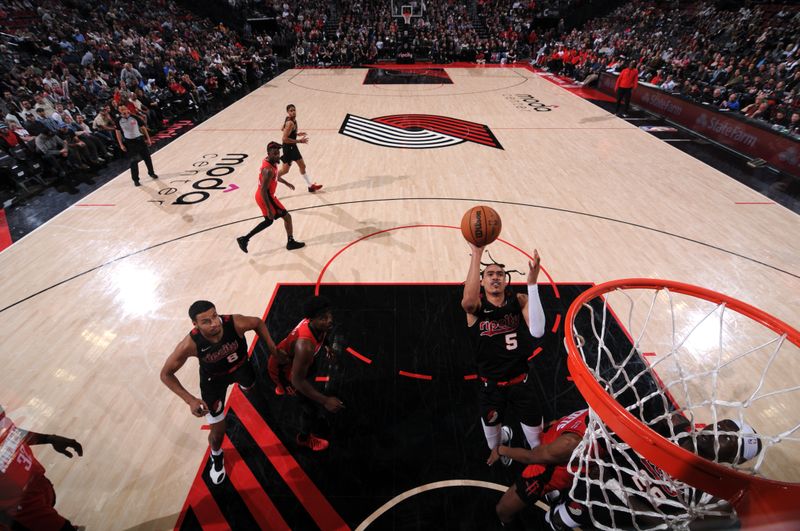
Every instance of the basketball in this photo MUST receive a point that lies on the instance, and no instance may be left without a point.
(481, 225)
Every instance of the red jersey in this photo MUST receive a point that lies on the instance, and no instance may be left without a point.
(301, 331)
(273, 184)
(17, 463)
(572, 423)
(537, 480)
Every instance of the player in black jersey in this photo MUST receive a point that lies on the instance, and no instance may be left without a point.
(291, 152)
(500, 324)
(218, 342)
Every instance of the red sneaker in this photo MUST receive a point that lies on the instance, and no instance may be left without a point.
(313, 442)
(314, 187)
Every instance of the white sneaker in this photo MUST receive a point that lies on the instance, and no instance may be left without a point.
(506, 433)
(217, 470)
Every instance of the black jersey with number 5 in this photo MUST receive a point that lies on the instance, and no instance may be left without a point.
(501, 339)
(224, 356)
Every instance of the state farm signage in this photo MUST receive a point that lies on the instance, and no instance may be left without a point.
(778, 150)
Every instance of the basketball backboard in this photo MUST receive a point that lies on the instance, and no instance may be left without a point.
(417, 7)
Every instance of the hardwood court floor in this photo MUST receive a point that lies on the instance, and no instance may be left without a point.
(93, 301)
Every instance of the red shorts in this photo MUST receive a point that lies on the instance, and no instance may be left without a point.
(278, 373)
(273, 210)
(538, 480)
(35, 510)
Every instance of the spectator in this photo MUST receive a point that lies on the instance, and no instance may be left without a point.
(626, 83)
(732, 103)
(130, 76)
(670, 84)
(56, 154)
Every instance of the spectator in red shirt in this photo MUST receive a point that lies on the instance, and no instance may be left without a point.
(626, 82)
(8, 138)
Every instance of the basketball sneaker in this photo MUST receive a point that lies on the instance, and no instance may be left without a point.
(505, 438)
(565, 516)
(217, 471)
(242, 241)
(314, 187)
(293, 244)
(313, 442)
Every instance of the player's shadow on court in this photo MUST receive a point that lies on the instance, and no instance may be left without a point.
(370, 181)
(348, 236)
(595, 119)
(356, 228)
(310, 269)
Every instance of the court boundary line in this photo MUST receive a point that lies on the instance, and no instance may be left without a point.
(381, 200)
(524, 80)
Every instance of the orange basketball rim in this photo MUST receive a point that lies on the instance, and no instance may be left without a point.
(759, 502)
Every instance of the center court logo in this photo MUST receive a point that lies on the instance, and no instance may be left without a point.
(417, 131)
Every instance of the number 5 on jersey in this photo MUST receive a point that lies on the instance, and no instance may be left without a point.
(511, 341)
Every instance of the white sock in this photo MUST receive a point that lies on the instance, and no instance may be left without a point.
(216, 452)
(563, 512)
(492, 434)
(532, 435)
(307, 177)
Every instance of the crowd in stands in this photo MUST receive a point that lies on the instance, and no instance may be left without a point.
(67, 67)
(743, 60)
(366, 31)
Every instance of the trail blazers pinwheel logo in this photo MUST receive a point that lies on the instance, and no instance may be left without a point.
(417, 131)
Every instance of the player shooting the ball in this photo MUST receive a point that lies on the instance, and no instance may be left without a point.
(502, 326)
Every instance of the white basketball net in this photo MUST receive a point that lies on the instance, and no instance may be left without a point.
(697, 365)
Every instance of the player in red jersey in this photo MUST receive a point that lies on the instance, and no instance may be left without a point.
(306, 345)
(638, 494)
(271, 208)
(27, 498)
(218, 343)
(547, 465)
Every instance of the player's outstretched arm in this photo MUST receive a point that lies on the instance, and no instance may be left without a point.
(243, 323)
(303, 357)
(287, 183)
(532, 310)
(60, 444)
(557, 452)
(471, 300)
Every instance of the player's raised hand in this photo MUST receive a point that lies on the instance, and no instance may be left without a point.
(534, 266)
(473, 249)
